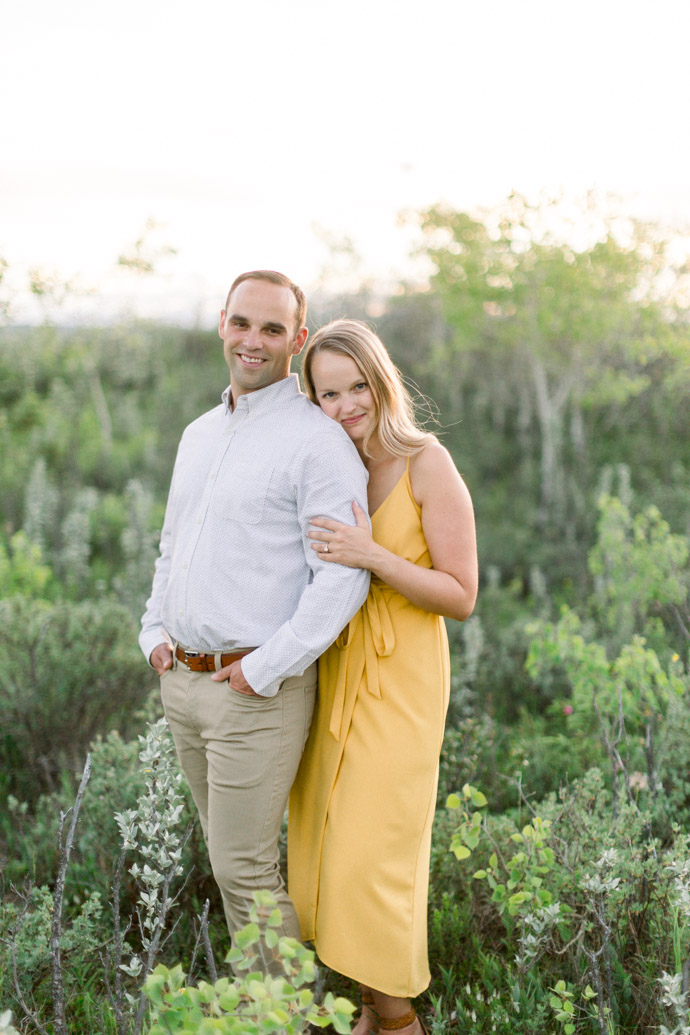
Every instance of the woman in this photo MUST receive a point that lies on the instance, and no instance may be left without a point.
(362, 805)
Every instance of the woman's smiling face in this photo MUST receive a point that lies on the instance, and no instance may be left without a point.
(343, 393)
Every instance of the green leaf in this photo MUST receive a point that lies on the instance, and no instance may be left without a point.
(275, 919)
(228, 1000)
(479, 875)
(278, 1016)
(519, 897)
(155, 985)
(264, 898)
(257, 990)
(205, 992)
(248, 935)
(289, 947)
(453, 801)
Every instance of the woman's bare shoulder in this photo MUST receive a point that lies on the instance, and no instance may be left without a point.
(433, 460)
(433, 469)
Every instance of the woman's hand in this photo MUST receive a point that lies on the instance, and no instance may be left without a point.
(351, 545)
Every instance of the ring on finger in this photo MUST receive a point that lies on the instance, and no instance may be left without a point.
(325, 548)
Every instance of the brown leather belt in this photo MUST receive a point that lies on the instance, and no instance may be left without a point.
(196, 661)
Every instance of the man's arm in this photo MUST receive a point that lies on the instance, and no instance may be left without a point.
(331, 476)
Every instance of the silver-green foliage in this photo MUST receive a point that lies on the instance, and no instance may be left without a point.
(675, 998)
(152, 831)
(6, 1026)
(139, 549)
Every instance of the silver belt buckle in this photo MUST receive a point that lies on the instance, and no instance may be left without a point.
(191, 654)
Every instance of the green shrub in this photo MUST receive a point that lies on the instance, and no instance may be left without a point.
(25, 933)
(586, 896)
(68, 671)
(490, 1001)
(22, 570)
(251, 1003)
(50, 955)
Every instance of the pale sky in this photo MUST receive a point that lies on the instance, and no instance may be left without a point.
(240, 128)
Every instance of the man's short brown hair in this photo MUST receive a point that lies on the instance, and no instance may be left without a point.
(282, 281)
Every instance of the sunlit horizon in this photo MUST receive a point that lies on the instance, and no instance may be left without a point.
(254, 137)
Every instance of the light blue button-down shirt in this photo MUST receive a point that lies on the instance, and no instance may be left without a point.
(236, 568)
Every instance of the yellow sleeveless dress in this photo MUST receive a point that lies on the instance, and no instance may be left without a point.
(363, 802)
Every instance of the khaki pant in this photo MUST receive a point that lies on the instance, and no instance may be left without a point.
(240, 755)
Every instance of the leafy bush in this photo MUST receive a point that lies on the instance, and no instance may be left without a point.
(585, 896)
(22, 571)
(586, 888)
(25, 929)
(68, 671)
(253, 1002)
(43, 961)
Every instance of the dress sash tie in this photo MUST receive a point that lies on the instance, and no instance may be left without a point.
(373, 623)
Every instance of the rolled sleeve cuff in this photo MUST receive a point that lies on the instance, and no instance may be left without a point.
(288, 654)
(253, 674)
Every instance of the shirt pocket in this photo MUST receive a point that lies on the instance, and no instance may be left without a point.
(240, 493)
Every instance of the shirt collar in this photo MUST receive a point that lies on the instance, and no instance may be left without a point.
(265, 398)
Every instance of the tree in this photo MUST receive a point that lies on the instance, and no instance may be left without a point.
(573, 315)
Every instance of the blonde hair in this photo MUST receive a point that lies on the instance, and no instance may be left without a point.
(397, 429)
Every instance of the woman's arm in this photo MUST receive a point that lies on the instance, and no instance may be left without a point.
(449, 588)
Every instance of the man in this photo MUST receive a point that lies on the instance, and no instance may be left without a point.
(241, 606)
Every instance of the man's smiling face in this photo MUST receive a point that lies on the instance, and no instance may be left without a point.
(260, 335)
